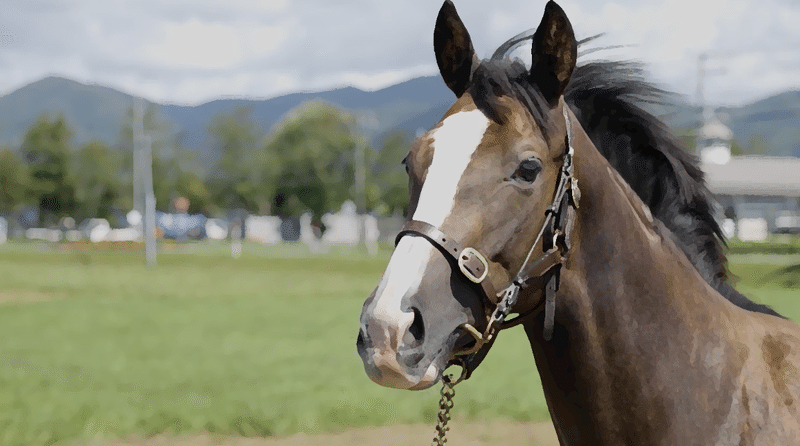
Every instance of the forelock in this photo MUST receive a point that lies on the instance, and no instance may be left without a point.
(495, 78)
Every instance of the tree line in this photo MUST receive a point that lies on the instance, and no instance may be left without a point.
(305, 163)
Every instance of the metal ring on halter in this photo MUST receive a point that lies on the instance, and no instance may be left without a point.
(464, 371)
(479, 341)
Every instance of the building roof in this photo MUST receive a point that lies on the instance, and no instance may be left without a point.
(755, 175)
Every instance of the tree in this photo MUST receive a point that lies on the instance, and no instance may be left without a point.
(736, 148)
(687, 137)
(46, 150)
(389, 193)
(309, 160)
(234, 180)
(191, 186)
(758, 145)
(97, 186)
(13, 181)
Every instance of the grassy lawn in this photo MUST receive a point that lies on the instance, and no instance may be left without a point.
(94, 345)
(770, 279)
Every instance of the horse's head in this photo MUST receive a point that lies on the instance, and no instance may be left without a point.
(481, 178)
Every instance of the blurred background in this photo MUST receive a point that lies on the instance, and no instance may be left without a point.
(196, 197)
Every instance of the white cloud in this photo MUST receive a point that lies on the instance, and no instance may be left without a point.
(210, 46)
(370, 81)
(188, 51)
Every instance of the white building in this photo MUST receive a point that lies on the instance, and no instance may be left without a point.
(757, 195)
(714, 141)
(757, 192)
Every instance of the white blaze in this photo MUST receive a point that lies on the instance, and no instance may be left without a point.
(453, 143)
(402, 277)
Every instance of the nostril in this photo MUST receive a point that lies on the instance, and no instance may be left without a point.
(416, 332)
(360, 340)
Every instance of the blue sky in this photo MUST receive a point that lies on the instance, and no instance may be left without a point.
(192, 51)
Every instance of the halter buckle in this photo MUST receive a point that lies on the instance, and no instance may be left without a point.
(468, 254)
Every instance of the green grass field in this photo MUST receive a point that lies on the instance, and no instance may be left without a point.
(94, 345)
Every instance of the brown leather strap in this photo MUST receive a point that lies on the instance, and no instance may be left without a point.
(543, 264)
(472, 264)
(550, 303)
(432, 233)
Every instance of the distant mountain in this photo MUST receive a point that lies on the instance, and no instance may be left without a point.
(92, 111)
(384, 109)
(96, 112)
(775, 119)
(99, 113)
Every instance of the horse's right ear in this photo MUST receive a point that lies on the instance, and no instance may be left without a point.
(454, 52)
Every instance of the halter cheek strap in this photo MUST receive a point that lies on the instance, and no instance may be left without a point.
(555, 235)
(472, 264)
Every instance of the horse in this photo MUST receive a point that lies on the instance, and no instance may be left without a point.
(607, 97)
(514, 209)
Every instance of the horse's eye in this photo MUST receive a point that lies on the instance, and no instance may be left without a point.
(527, 170)
(405, 163)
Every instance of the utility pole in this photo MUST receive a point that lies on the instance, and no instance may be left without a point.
(361, 178)
(701, 78)
(703, 73)
(143, 175)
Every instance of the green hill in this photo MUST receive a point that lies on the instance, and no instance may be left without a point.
(97, 112)
(92, 111)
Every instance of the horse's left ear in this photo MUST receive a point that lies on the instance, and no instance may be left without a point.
(554, 52)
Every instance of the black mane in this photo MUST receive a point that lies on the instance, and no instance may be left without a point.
(609, 100)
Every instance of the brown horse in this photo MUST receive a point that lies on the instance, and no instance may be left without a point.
(509, 193)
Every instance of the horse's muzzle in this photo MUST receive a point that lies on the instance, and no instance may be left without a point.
(392, 353)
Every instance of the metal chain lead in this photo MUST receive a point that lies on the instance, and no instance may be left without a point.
(443, 417)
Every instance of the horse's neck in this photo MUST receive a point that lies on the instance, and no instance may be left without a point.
(632, 315)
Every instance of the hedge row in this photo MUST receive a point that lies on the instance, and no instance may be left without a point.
(777, 245)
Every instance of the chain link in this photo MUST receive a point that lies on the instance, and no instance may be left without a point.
(443, 417)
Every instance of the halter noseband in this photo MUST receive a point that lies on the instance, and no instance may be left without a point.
(555, 236)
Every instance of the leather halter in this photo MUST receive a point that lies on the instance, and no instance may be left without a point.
(555, 235)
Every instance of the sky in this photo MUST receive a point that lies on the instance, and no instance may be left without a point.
(193, 51)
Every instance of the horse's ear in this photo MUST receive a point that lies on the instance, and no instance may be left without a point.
(454, 52)
(554, 52)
